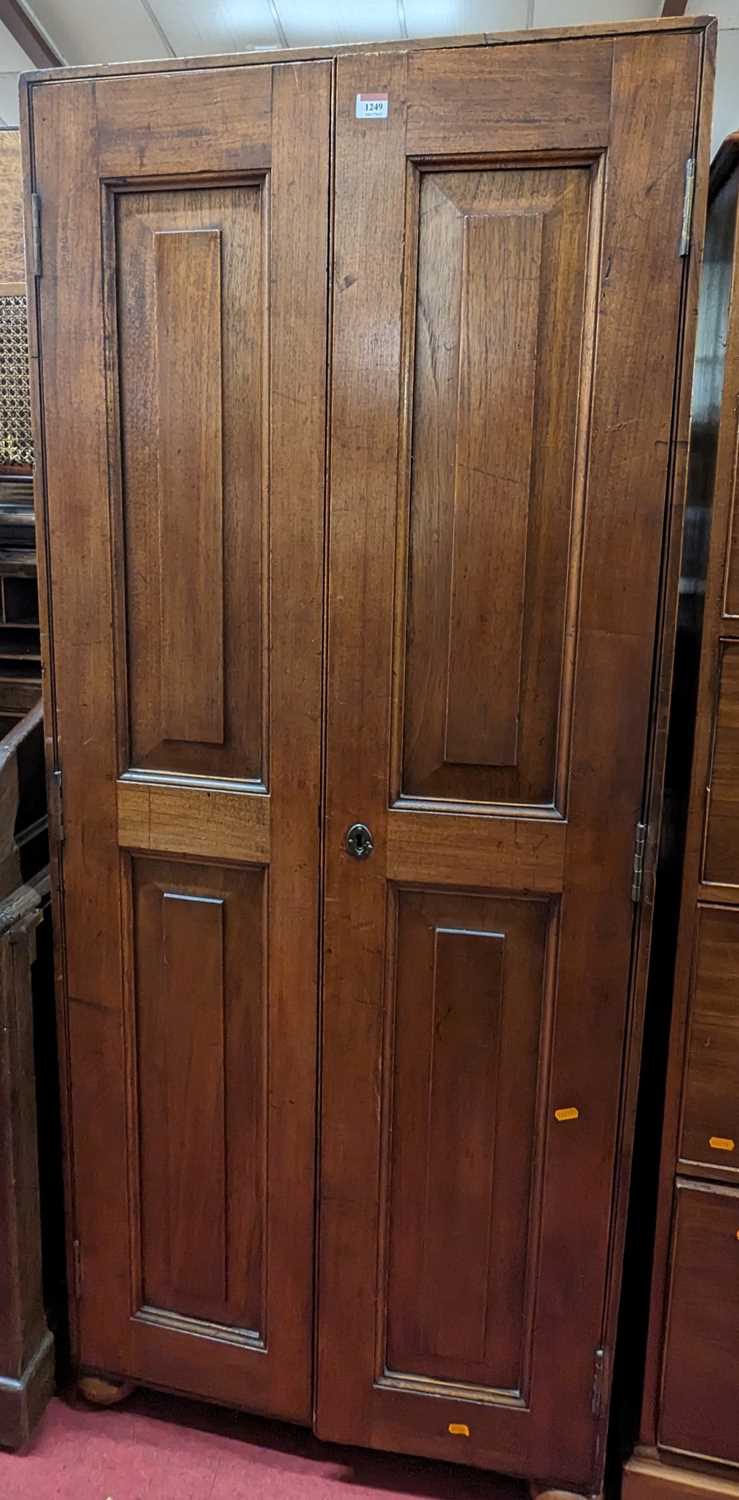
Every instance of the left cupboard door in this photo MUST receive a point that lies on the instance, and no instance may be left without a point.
(179, 335)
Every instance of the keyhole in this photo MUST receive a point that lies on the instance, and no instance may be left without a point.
(358, 841)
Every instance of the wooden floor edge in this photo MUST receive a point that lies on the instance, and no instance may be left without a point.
(651, 1479)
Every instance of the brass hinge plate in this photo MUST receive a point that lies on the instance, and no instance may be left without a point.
(686, 225)
(637, 869)
(599, 1384)
(35, 234)
(56, 808)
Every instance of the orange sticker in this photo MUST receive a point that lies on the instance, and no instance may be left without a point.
(721, 1143)
(459, 1429)
(566, 1114)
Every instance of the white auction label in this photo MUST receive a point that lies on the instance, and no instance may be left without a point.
(371, 107)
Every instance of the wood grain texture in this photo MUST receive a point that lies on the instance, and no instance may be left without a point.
(731, 589)
(222, 121)
(475, 98)
(649, 1478)
(711, 1095)
(619, 402)
(497, 378)
(185, 820)
(721, 858)
(528, 855)
(200, 1028)
(252, 142)
(195, 549)
(494, 508)
(702, 1327)
(293, 55)
(691, 1388)
(467, 1022)
(12, 260)
(187, 282)
(26, 1345)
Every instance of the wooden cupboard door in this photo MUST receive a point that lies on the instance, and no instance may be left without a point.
(506, 329)
(181, 326)
(698, 1397)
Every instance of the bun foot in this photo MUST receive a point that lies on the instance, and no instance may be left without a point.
(97, 1390)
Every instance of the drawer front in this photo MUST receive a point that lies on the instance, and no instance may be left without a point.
(710, 1130)
(700, 1378)
(721, 856)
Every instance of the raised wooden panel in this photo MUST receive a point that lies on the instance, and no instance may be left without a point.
(187, 276)
(494, 504)
(698, 1408)
(496, 386)
(721, 859)
(731, 597)
(200, 1062)
(191, 353)
(710, 1127)
(468, 1008)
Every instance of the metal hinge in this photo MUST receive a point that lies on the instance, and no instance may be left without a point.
(688, 194)
(637, 869)
(77, 1268)
(57, 806)
(35, 234)
(599, 1384)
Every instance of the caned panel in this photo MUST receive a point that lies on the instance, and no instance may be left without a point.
(191, 350)
(710, 1129)
(468, 1016)
(721, 861)
(499, 311)
(200, 1064)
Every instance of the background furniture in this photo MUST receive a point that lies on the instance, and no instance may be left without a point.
(511, 329)
(690, 1422)
(26, 1345)
(20, 657)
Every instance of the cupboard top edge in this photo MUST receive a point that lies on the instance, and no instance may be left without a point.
(655, 25)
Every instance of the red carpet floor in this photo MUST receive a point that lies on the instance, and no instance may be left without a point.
(157, 1448)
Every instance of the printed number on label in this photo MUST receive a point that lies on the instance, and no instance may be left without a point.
(371, 107)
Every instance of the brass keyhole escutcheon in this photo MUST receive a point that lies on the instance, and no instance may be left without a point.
(359, 841)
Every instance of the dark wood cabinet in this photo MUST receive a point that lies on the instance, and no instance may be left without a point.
(690, 1423)
(462, 664)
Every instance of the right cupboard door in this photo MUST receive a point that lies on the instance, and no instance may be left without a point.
(506, 331)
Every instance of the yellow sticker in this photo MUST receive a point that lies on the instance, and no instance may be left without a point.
(721, 1143)
(459, 1429)
(566, 1114)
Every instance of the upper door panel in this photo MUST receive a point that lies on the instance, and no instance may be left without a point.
(500, 259)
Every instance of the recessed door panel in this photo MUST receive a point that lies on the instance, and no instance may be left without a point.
(710, 1124)
(192, 345)
(698, 1396)
(494, 509)
(722, 811)
(465, 1071)
(200, 1021)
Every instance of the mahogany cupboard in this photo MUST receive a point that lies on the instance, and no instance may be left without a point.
(690, 1422)
(430, 795)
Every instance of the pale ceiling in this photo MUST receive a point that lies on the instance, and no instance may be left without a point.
(84, 31)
